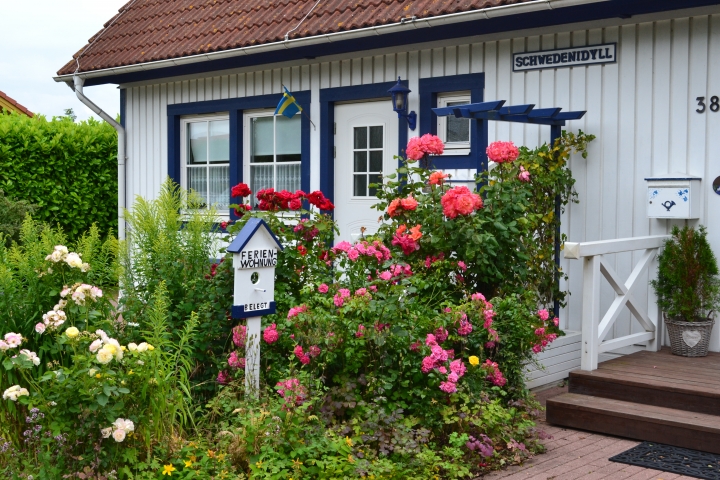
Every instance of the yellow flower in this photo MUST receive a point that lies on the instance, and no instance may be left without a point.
(351, 459)
(150, 347)
(474, 360)
(193, 458)
(97, 375)
(220, 457)
(188, 463)
(211, 453)
(348, 440)
(130, 372)
(297, 462)
(258, 464)
(72, 332)
(168, 469)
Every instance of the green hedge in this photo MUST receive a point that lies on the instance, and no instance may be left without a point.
(69, 170)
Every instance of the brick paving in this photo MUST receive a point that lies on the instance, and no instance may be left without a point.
(575, 454)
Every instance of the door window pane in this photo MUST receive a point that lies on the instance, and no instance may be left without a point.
(367, 159)
(458, 129)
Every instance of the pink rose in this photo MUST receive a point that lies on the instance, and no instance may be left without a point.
(543, 314)
(502, 152)
(448, 387)
(271, 335)
(323, 288)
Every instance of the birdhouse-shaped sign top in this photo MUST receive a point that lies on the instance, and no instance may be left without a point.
(255, 255)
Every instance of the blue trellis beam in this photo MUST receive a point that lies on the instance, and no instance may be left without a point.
(516, 113)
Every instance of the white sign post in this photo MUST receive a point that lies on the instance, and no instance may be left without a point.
(255, 254)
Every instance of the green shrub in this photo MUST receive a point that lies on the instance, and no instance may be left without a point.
(12, 214)
(68, 170)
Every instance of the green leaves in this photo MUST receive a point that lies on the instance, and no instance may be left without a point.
(68, 170)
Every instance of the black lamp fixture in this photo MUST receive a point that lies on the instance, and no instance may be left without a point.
(400, 103)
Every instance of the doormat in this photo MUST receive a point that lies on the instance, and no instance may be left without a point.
(682, 461)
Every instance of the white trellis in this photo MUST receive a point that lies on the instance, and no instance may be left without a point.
(595, 328)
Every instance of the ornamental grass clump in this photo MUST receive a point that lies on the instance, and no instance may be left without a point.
(687, 284)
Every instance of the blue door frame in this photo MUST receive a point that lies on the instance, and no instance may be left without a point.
(328, 98)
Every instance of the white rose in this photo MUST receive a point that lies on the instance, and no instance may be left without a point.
(3, 345)
(124, 424)
(132, 346)
(94, 346)
(23, 392)
(104, 356)
(85, 267)
(74, 260)
(40, 328)
(31, 356)
(119, 435)
(11, 393)
(102, 335)
(92, 373)
(142, 347)
(13, 339)
(106, 432)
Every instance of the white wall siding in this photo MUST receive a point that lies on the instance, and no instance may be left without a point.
(642, 109)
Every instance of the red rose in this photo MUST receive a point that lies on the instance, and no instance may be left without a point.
(240, 190)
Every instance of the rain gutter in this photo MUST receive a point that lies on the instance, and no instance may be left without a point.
(403, 25)
(77, 86)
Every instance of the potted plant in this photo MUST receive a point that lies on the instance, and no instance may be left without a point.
(688, 290)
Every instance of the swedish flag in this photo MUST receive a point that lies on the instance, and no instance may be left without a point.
(288, 106)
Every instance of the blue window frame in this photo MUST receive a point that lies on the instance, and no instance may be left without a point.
(235, 108)
(429, 90)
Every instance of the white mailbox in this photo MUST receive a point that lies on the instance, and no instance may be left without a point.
(255, 255)
(674, 195)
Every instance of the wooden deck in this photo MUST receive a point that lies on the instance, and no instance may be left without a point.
(650, 396)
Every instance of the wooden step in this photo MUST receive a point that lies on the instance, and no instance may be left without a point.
(659, 381)
(637, 421)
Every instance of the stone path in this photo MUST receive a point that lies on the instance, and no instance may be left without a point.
(574, 454)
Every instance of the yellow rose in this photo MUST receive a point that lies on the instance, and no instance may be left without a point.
(150, 347)
(474, 360)
(72, 332)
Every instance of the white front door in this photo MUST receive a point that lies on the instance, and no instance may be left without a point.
(366, 140)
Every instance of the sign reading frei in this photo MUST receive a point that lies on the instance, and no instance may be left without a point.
(565, 57)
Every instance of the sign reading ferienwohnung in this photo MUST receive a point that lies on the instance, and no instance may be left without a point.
(565, 57)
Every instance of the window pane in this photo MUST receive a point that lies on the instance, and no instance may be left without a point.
(376, 161)
(458, 129)
(360, 135)
(197, 144)
(377, 179)
(287, 135)
(360, 162)
(376, 137)
(261, 136)
(261, 177)
(288, 177)
(219, 195)
(219, 148)
(197, 181)
(360, 185)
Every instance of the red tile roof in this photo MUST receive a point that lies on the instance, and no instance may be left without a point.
(8, 103)
(151, 30)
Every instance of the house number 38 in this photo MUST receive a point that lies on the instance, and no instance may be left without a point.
(714, 104)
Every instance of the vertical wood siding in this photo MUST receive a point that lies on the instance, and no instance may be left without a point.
(642, 110)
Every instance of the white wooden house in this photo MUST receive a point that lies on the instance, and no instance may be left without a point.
(199, 82)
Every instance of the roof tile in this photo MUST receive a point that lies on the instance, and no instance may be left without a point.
(151, 30)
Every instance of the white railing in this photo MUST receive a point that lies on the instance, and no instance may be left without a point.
(595, 328)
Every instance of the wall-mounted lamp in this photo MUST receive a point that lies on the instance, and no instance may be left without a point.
(400, 103)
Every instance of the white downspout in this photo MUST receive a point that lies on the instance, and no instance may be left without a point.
(121, 157)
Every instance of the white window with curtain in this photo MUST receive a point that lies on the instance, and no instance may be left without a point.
(272, 152)
(454, 132)
(205, 159)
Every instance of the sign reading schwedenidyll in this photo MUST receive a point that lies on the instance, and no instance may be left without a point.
(565, 57)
